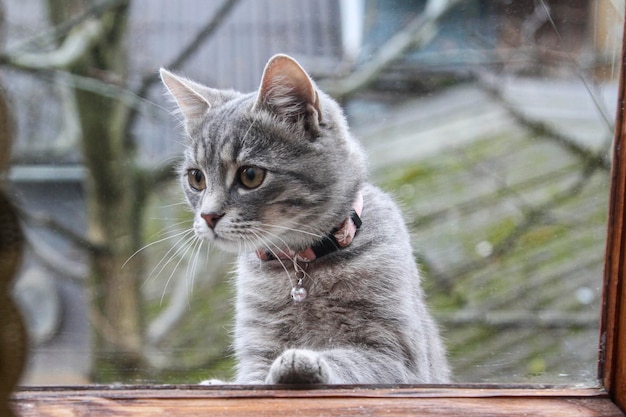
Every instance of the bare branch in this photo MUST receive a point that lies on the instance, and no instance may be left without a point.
(524, 319)
(416, 34)
(52, 224)
(61, 30)
(204, 34)
(532, 217)
(579, 72)
(71, 132)
(105, 89)
(51, 258)
(207, 31)
(544, 130)
(78, 42)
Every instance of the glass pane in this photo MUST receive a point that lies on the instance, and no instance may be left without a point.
(490, 122)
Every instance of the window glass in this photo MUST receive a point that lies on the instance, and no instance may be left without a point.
(489, 121)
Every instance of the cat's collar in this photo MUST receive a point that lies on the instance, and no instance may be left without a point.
(340, 237)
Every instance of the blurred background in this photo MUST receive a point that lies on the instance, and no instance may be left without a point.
(489, 121)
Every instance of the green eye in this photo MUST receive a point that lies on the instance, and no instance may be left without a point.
(251, 177)
(196, 179)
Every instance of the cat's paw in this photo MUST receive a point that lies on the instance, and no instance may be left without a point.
(213, 382)
(299, 366)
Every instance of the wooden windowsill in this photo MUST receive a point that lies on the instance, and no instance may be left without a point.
(257, 401)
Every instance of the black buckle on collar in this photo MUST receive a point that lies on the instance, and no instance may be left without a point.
(329, 243)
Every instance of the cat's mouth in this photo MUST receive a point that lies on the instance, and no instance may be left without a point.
(228, 245)
(238, 238)
(236, 244)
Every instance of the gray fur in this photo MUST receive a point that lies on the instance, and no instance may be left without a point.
(365, 319)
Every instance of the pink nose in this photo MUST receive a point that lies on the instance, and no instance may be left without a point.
(211, 218)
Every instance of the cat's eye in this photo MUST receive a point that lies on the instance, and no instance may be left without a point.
(196, 179)
(251, 177)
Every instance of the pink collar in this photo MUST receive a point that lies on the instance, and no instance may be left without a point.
(338, 238)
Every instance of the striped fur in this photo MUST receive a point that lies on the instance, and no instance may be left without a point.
(365, 318)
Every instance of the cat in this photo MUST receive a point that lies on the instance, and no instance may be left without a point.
(327, 289)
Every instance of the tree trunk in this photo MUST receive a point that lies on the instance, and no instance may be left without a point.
(114, 199)
(114, 221)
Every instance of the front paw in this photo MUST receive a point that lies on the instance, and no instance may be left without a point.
(298, 366)
(213, 382)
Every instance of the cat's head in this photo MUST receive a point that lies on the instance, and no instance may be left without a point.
(274, 168)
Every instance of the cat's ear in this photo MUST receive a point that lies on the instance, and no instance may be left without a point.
(187, 94)
(194, 100)
(288, 91)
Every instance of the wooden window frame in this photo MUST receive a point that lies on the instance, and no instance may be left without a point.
(609, 399)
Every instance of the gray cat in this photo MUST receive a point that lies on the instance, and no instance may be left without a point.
(327, 288)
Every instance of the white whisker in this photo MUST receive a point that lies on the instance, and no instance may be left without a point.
(250, 127)
(182, 203)
(194, 267)
(275, 236)
(178, 233)
(188, 246)
(257, 234)
(291, 229)
(208, 251)
(163, 263)
(168, 229)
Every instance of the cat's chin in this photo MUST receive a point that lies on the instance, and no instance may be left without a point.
(236, 247)
(248, 244)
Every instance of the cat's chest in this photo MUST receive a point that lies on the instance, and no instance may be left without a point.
(301, 283)
(316, 321)
(333, 309)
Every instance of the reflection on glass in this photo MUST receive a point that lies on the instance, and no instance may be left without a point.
(491, 123)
